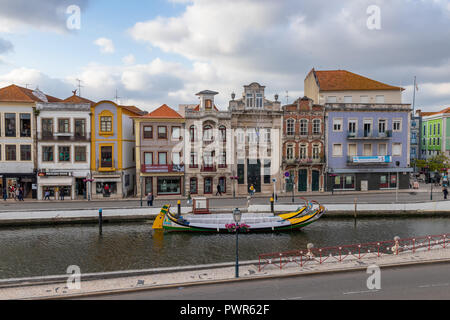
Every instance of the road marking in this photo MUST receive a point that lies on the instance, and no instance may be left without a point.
(294, 298)
(360, 292)
(435, 285)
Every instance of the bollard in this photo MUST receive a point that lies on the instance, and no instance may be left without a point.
(179, 208)
(356, 209)
(272, 209)
(100, 220)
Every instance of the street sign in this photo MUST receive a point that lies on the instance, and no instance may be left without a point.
(287, 174)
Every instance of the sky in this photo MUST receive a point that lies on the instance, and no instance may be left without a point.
(154, 52)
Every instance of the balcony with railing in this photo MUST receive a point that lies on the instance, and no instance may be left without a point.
(64, 136)
(208, 168)
(369, 135)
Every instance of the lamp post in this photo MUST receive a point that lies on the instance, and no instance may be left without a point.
(237, 219)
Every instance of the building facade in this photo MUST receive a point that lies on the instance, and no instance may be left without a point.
(303, 146)
(368, 146)
(341, 86)
(257, 125)
(18, 158)
(435, 133)
(113, 164)
(160, 153)
(416, 141)
(63, 150)
(208, 147)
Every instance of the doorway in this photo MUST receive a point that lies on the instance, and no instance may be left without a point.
(315, 184)
(303, 180)
(254, 174)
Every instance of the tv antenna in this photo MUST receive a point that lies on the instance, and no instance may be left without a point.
(287, 97)
(79, 86)
(117, 96)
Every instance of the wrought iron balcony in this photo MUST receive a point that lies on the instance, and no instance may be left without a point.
(63, 136)
(208, 168)
(162, 168)
(366, 135)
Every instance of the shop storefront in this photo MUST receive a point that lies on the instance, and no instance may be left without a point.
(169, 185)
(107, 186)
(25, 181)
(58, 184)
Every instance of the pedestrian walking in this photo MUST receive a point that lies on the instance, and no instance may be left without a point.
(150, 199)
(47, 195)
(219, 191)
(252, 190)
(445, 191)
(61, 194)
(17, 191)
(21, 194)
(5, 194)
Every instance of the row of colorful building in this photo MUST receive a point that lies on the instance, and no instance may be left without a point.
(348, 132)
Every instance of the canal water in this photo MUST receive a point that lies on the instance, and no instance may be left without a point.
(28, 252)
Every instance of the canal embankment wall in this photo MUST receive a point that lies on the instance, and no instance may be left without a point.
(147, 215)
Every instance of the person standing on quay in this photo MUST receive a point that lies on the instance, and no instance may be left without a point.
(5, 194)
(150, 199)
(445, 191)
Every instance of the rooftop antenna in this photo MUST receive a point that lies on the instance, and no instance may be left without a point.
(287, 97)
(117, 96)
(27, 84)
(79, 86)
(414, 94)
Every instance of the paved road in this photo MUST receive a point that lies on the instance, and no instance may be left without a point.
(424, 282)
(388, 197)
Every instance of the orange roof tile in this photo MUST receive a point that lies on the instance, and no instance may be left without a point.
(342, 80)
(78, 99)
(135, 110)
(14, 93)
(163, 112)
(425, 114)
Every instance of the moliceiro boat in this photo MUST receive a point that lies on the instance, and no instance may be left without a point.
(310, 212)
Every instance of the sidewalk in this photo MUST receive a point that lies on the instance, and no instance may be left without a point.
(97, 284)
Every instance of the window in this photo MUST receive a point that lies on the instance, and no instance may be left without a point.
(352, 150)
(176, 158)
(382, 149)
(223, 133)
(290, 127)
(80, 127)
(162, 158)
(193, 186)
(223, 184)
(259, 100)
(148, 132)
(381, 126)
(397, 149)
(25, 152)
(208, 104)
(397, 125)
(331, 99)
(249, 100)
(241, 172)
(303, 127)
(208, 159)
(47, 154)
(10, 151)
(367, 128)
(193, 160)
(316, 152)
(105, 124)
(176, 133)
(106, 153)
(267, 164)
(367, 150)
(47, 127)
(162, 132)
(63, 125)
(337, 125)
(316, 126)
(80, 154)
(208, 186)
(290, 152)
(193, 133)
(267, 135)
(10, 124)
(424, 130)
(169, 185)
(379, 99)
(64, 154)
(352, 124)
(438, 128)
(337, 150)
(223, 159)
(25, 125)
(303, 152)
(348, 99)
(207, 133)
(148, 158)
(364, 99)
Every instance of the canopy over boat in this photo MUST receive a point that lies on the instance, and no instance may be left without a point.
(250, 222)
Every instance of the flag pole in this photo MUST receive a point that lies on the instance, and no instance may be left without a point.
(414, 95)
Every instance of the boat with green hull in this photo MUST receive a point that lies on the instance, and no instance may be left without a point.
(310, 212)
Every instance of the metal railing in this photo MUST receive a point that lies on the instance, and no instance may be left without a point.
(353, 252)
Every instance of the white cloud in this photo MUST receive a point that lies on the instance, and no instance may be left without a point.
(106, 45)
(129, 59)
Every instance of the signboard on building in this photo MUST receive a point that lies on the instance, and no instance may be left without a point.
(372, 159)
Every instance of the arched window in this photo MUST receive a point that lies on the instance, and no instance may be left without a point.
(223, 133)
(303, 127)
(208, 133)
(208, 104)
(208, 184)
(223, 184)
(290, 127)
(316, 126)
(193, 186)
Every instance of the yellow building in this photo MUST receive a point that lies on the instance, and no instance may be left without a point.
(113, 164)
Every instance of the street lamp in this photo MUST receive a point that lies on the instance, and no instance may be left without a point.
(237, 215)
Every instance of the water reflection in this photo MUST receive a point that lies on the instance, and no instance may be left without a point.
(26, 252)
